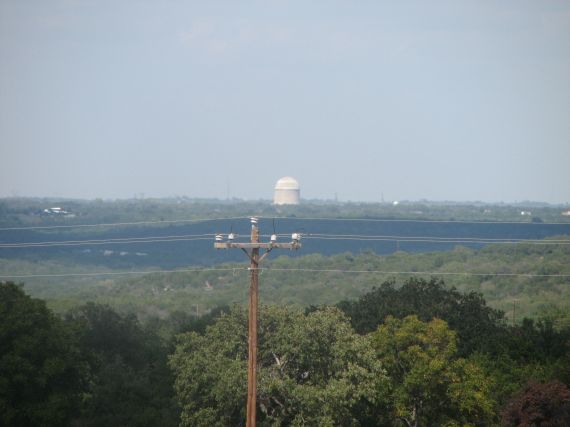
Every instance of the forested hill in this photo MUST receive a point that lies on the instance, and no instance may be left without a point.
(25, 212)
(395, 240)
(536, 276)
(171, 245)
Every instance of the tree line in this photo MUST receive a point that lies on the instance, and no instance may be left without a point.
(26, 211)
(415, 354)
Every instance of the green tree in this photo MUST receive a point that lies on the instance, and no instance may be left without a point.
(510, 376)
(313, 369)
(40, 366)
(429, 385)
(537, 341)
(130, 383)
(477, 325)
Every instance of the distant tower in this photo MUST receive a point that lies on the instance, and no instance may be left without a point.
(287, 192)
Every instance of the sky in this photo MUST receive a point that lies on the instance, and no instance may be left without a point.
(406, 100)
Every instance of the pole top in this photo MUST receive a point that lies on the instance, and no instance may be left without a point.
(253, 220)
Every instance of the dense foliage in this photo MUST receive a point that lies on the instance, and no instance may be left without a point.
(428, 383)
(93, 368)
(152, 294)
(41, 374)
(418, 354)
(540, 405)
(466, 313)
(129, 382)
(313, 370)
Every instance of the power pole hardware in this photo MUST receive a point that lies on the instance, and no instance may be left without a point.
(252, 251)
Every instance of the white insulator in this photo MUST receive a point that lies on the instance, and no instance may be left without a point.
(231, 236)
(253, 220)
(219, 237)
(273, 238)
(296, 236)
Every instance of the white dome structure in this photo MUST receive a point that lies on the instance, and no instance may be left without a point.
(287, 192)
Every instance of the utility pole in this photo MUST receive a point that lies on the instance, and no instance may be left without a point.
(252, 251)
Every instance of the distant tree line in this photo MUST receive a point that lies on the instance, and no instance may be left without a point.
(27, 211)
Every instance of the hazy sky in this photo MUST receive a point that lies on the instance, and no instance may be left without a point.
(440, 100)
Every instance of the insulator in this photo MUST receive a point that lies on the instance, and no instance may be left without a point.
(273, 238)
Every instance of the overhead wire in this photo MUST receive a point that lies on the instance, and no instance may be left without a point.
(452, 221)
(317, 235)
(426, 273)
(300, 270)
(128, 240)
(115, 273)
(433, 239)
(355, 237)
(121, 224)
(309, 236)
(296, 218)
(187, 238)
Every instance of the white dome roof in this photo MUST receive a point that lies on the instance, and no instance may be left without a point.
(287, 183)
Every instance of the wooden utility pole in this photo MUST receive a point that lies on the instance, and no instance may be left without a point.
(252, 251)
(252, 330)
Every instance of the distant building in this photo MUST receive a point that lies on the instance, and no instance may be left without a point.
(55, 211)
(566, 213)
(287, 192)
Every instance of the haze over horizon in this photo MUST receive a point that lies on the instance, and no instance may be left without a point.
(444, 100)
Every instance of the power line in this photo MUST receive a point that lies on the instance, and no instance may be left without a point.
(116, 273)
(313, 236)
(299, 270)
(443, 240)
(431, 273)
(125, 241)
(122, 224)
(318, 235)
(297, 218)
(154, 222)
